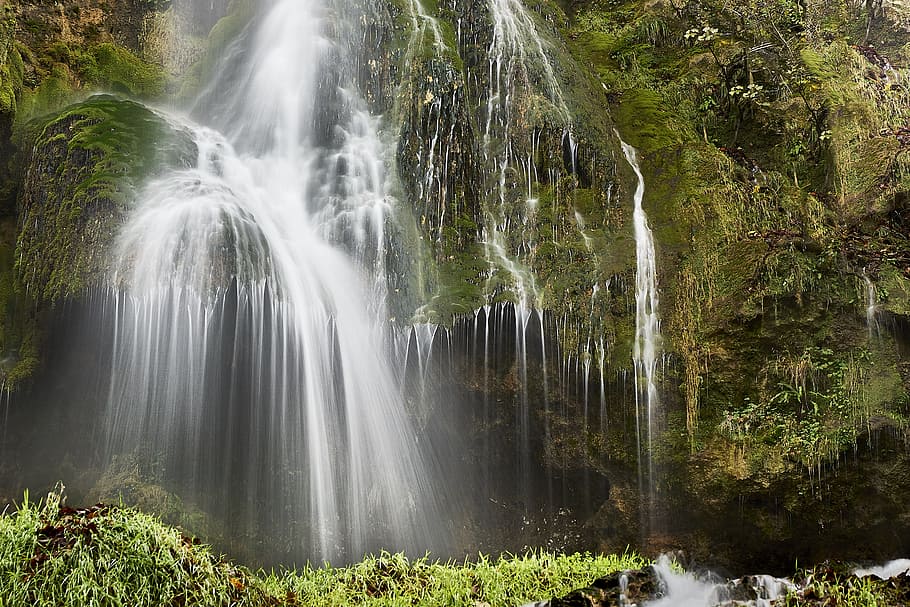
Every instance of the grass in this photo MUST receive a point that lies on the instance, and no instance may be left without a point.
(109, 556)
(393, 579)
(829, 586)
(53, 555)
(106, 556)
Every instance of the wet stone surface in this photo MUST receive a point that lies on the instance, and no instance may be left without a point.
(621, 588)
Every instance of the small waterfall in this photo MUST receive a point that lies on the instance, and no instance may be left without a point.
(250, 350)
(647, 326)
(871, 304)
(517, 57)
(516, 53)
(422, 23)
(687, 590)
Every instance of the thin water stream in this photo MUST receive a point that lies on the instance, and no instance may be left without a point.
(647, 333)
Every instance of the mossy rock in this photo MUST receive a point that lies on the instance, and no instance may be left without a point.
(894, 289)
(224, 32)
(86, 167)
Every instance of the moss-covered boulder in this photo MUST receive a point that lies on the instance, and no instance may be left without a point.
(84, 172)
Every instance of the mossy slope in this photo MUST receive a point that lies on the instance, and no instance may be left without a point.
(50, 55)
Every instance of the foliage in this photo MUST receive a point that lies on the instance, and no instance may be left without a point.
(11, 68)
(814, 406)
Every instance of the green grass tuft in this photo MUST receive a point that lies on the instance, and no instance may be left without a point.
(53, 555)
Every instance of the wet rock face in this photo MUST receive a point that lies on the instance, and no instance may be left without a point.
(83, 21)
(501, 136)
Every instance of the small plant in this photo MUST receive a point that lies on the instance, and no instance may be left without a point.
(705, 34)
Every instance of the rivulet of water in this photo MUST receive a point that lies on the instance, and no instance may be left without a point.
(647, 327)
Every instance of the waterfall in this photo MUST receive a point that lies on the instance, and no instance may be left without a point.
(647, 324)
(871, 304)
(516, 56)
(251, 352)
(516, 52)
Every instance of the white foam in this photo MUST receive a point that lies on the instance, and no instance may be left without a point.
(886, 571)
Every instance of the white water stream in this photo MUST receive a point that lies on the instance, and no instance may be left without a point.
(647, 323)
(677, 588)
(250, 290)
(517, 58)
(871, 304)
(682, 589)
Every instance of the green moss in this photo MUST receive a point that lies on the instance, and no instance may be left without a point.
(115, 67)
(459, 290)
(644, 118)
(19, 334)
(56, 90)
(894, 290)
(26, 359)
(64, 72)
(12, 72)
(422, 44)
(816, 64)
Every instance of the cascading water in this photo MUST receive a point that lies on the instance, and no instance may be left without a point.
(682, 589)
(871, 304)
(516, 52)
(674, 587)
(647, 325)
(250, 349)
